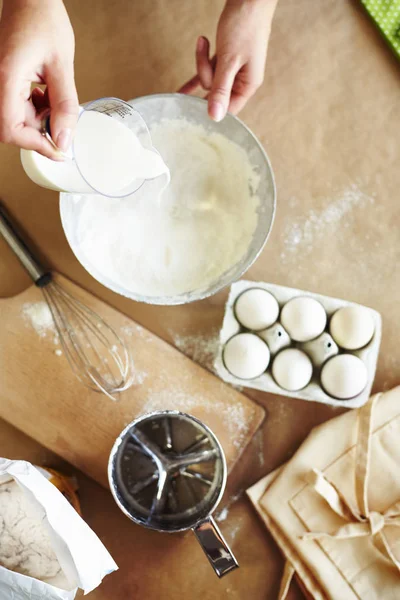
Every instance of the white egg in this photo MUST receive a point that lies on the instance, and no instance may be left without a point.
(256, 309)
(352, 327)
(344, 376)
(292, 369)
(246, 356)
(303, 318)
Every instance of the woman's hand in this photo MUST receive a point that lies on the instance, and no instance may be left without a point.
(37, 46)
(236, 71)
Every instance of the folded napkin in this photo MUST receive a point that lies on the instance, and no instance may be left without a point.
(386, 14)
(334, 508)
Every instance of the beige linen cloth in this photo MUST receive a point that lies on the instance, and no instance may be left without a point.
(334, 508)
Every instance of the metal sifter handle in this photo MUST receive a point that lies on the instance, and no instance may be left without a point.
(215, 547)
(39, 275)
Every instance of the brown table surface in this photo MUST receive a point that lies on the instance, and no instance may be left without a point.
(328, 115)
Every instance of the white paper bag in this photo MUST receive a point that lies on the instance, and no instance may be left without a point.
(82, 557)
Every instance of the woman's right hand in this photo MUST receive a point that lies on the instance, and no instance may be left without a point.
(37, 46)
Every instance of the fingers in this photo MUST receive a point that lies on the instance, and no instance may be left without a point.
(31, 139)
(222, 76)
(204, 65)
(219, 97)
(18, 122)
(63, 103)
(40, 99)
(205, 69)
(190, 86)
(241, 96)
(238, 102)
(249, 78)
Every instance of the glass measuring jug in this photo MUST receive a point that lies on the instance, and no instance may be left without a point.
(111, 155)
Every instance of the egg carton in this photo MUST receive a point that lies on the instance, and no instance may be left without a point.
(277, 339)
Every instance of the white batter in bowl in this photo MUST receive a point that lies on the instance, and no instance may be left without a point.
(205, 230)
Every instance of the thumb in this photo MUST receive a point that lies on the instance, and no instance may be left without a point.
(64, 105)
(225, 73)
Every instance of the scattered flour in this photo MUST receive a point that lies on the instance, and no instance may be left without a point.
(139, 377)
(200, 227)
(25, 545)
(282, 412)
(233, 530)
(233, 415)
(39, 316)
(259, 443)
(128, 331)
(223, 514)
(315, 225)
(201, 348)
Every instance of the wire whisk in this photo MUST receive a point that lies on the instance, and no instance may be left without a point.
(98, 357)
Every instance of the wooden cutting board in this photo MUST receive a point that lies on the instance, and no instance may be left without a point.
(40, 395)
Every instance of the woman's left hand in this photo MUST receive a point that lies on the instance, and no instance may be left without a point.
(236, 71)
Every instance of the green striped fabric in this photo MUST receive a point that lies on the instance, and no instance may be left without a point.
(386, 14)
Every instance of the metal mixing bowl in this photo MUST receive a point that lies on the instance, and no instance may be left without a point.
(153, 109)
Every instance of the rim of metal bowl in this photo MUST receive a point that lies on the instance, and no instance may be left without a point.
(191, 296)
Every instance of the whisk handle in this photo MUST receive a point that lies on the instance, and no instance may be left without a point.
(39, 275)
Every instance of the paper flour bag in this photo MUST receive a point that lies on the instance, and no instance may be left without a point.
(47, 551)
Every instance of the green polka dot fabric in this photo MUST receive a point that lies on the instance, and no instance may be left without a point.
(386, 14)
